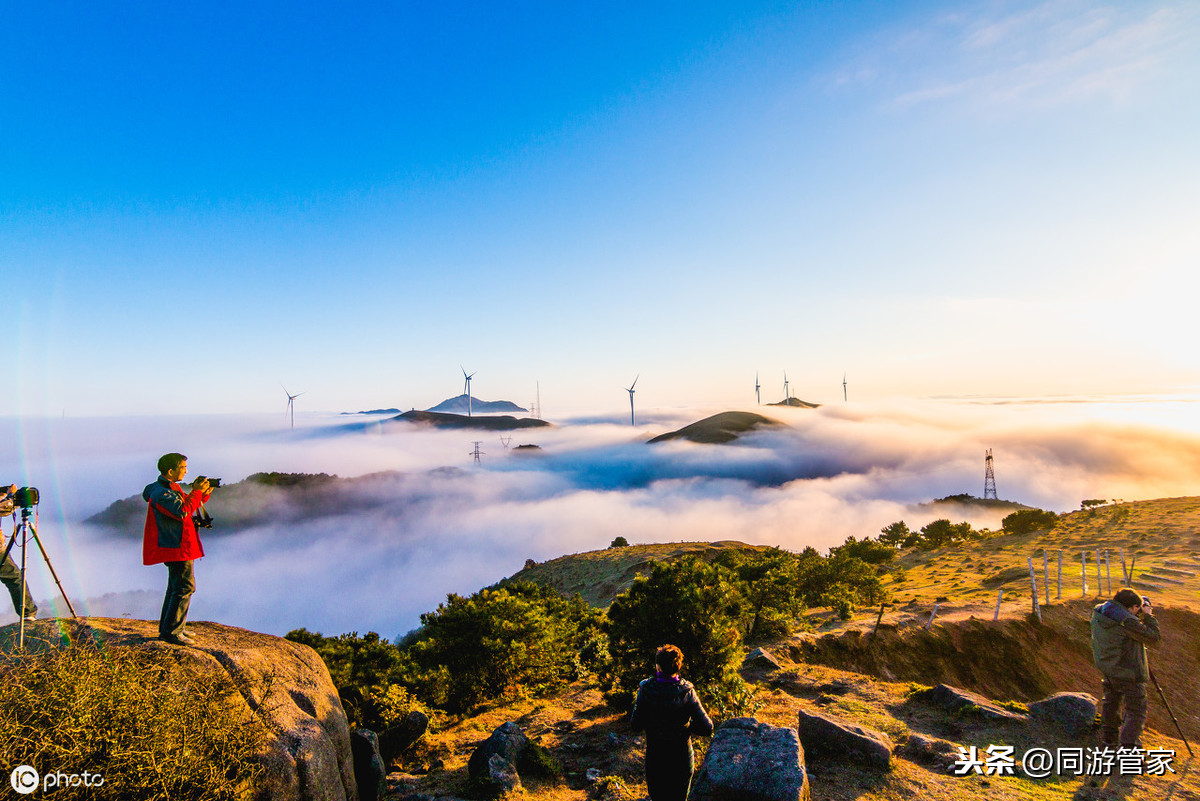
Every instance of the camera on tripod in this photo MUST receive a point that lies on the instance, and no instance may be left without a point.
(26, 497)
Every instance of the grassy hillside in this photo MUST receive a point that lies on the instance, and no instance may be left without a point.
(600, 576)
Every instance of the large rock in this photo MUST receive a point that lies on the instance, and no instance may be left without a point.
(493, 764)
(752, 761)
(284, 687)
(932, 751)
(1071, 712)
(397, 739)
(967, 703)
(826, 737)
(368, 764)
(760, 660)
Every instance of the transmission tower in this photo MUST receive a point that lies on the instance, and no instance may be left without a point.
(505, 441)
(477, 453)
(989, 478)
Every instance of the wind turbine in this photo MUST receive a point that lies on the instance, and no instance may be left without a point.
(467, 387)
(291, 407)
(843, 386)
(757, 387)
(786, 395)
(630, 391)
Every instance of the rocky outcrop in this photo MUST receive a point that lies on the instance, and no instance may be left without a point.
(969, 704)
(284, 688)
(1072, 713)
(397, 739)
(826, 737)
(752, 761)
(368, 765)
(930, 751)
(758, 659)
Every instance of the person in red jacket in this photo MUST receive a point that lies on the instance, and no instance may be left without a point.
(170, 538)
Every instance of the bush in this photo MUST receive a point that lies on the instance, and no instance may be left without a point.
(519, 639)
(152, 729)
(619, 542)
(367, 672)
(895, 534)
(1028, 520)
(943, 532)
(867, 549)
(694, 605)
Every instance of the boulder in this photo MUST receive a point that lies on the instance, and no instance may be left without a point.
(826, 737)
(369, 770)
(494, 763)
(965, 702)
(752, 761)
(760, 659)
(282, 686)
(1071, 712)
(399, 738)
(931, 751)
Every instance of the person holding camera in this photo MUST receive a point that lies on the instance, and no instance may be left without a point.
(1121, 630)
(10, 574)
(170, 538)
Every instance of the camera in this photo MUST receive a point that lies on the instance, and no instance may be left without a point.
(27, 497)
(213, 483)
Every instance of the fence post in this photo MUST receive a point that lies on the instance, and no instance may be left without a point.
(1060, 575)
(1037, 610)
(1099, 581)
(1108, 572)
(932, 615)
(877, 620)
(1124, 572)
(1046, 573)
(1083, 571)
(999, 597)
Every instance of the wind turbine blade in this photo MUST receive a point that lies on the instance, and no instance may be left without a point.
(634, 384)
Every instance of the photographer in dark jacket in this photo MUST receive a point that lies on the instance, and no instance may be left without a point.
(1121, 629)
(10, 574)
(668, 709)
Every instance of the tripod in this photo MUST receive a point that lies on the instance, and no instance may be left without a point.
(24, 529)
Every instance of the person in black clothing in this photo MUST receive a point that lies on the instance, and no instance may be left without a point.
(668, 709)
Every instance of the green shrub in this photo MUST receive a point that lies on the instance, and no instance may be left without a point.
(152, 729)
(619, 542)
(1028, 520)
(694, 605)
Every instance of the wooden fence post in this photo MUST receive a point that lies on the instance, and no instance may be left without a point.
(1099, 581)
(1083, 571)
(1033, 584)
(1046, 573)
(932, 615)
(999, 598)
(1060, 575)
(1108, 572)
(1124, 572)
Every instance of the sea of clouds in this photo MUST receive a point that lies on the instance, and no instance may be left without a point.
(435, 522)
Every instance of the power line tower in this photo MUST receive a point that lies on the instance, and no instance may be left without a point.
(505, 441)
(989, 478)
(477, 453)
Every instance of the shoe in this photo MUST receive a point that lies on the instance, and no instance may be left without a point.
(177, 639)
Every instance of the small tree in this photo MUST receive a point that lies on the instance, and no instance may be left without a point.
(943, 532)
(689, 603)
(619, 542)
(895, 534)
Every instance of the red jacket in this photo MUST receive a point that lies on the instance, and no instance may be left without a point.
(170, 535)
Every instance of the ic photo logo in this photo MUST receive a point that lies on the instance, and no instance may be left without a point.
(24, 779)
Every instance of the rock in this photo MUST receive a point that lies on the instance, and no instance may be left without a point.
(399, 738)
(593, 774)
(932, 751)
(369, 770)
(758, 658)
(826, 738)
(282, 687)
(752, 761)
(502, 775)
(965, 702)
(1071, 712)
(507, 740)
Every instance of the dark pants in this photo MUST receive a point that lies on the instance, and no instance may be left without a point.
(10, 574)
(181, 583)
(669, 770)
(1111, 723)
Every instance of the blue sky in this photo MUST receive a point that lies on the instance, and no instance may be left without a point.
(198, 204)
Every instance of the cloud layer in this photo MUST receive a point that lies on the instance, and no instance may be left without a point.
(440, 523)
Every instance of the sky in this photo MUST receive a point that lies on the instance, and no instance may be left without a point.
(199, 204)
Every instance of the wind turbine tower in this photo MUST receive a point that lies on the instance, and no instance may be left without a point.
(844, 396)
(787, 397)
(630, 391)
(291, 404)
(757, 393)
(989, 478)
(467, 387)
